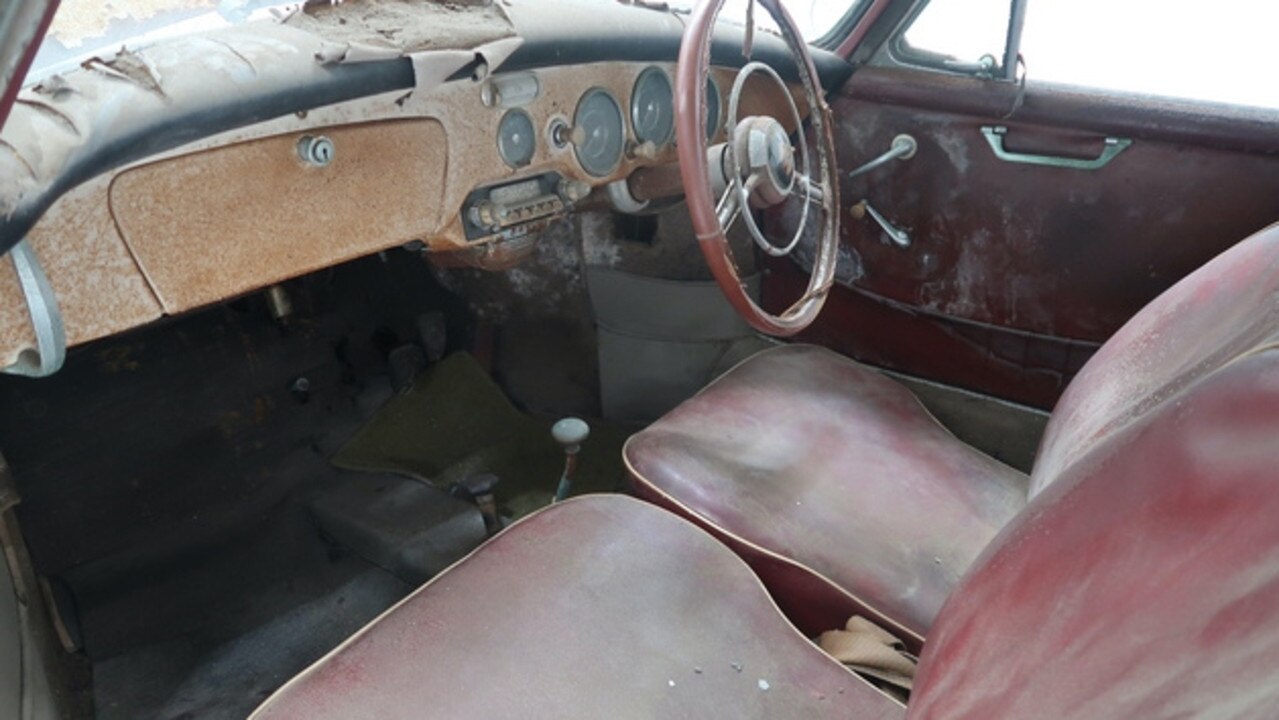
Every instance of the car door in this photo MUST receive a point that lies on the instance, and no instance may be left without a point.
(1034, 218)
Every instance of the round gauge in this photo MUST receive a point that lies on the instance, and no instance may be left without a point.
(599, 132)
(712, 108)
(516, 138)
(652, 107)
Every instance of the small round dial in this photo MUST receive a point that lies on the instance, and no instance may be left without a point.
(516, 138)
(653, 107)
(713, 102)
(598, 132)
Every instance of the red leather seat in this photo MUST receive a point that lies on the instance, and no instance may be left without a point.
(1143, 583)
(802, 459)
(846, 496)
(598, 607)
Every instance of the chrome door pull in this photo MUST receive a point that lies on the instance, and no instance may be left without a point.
(1112, 147)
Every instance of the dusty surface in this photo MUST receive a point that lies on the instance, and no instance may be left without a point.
(80, 20)
(259, 217)
(215, 224)
(405, 25)
(100, 289)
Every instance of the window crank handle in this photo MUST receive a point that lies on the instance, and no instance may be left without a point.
(899, 237)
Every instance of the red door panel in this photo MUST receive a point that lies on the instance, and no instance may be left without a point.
(1016, 271)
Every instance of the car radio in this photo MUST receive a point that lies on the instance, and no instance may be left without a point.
(515, 208)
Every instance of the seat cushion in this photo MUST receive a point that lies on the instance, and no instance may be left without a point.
(598, 607)
(834, 482)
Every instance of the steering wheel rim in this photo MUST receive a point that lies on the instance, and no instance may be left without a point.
(690, 130)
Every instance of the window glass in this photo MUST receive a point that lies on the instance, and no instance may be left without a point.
(1223, 51)
(814, 18)
(962, 32)
(82, 28)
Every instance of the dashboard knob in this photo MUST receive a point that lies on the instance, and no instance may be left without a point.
(646, 150)
(574, 190)
(484, 215)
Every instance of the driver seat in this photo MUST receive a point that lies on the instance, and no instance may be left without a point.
(846, 497)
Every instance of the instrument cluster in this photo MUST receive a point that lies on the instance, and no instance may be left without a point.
(597, 129)
(599, 134)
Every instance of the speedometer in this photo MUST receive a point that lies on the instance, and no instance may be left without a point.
(652, 107)
(598, 132)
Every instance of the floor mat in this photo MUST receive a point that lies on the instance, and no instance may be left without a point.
(214, 634)
(455, 421)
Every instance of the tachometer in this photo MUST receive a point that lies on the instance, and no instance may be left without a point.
(516, 138)
(652, 107)
(598, 132)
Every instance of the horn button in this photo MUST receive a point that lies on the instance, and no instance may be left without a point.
(766, 158)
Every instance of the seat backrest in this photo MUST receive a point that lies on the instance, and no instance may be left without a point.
(1142, 583)
(1223, 310)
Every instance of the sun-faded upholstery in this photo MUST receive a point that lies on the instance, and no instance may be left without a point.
(1223, 310)
(804, 454)
(598, 607)
(834, 483)
(1142, 583)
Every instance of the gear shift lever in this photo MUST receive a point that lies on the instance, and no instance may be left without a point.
(570, 433)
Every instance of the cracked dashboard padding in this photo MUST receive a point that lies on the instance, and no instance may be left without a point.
(68, 129)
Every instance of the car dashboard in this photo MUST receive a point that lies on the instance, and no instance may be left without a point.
(144, 194)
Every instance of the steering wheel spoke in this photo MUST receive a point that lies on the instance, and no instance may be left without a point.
(811, 191)
(729, 207)
(761, 166)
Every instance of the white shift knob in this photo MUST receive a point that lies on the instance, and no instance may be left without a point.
(570, 432)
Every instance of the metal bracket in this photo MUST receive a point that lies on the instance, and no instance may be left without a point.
(995, 136)
(42, 304)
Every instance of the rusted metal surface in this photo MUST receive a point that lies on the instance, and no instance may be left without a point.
(100, 289)
(215, 224)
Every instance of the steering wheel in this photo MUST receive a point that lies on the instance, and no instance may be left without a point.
(756, 168)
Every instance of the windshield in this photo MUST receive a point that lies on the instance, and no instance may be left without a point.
(814, 18)
(83, 28)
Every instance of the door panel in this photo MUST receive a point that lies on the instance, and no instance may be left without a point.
(1016, 271)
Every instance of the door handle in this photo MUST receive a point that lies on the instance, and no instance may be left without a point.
(1112, 147)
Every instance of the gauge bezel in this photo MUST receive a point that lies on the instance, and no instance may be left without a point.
(532, 129)
(621, 120)
(653, 70)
